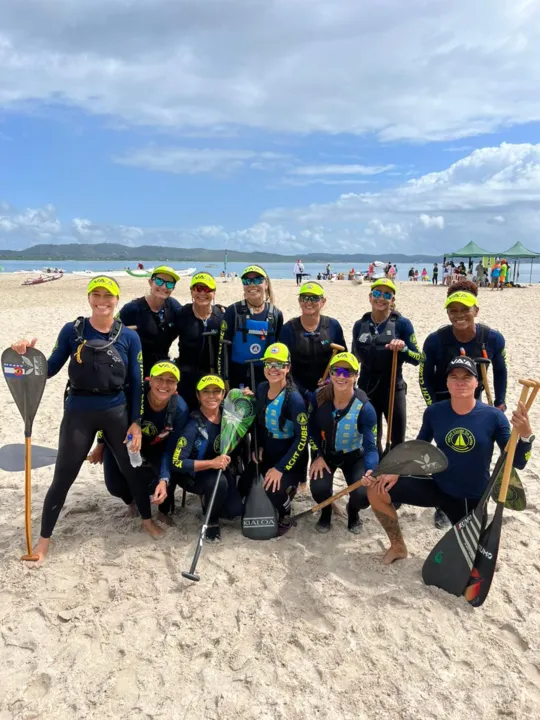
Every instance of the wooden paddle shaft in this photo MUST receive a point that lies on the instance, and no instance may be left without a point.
(392, 398)
(335, 349)
(485, 382)
(535, 385)
(333, 498)
(527, 384)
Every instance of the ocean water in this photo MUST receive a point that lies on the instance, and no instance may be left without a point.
(278, 271)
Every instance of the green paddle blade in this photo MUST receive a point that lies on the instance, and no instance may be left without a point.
(516, 498)
(238, 415)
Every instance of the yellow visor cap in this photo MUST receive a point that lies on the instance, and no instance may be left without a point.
(254, 269)
(161, 368)
(277, 351)
(203, 279)
(465, 298)
(208, 380)
(104, 282)
(311, 288)
(166, 270)
(346, 357)
(386, 282)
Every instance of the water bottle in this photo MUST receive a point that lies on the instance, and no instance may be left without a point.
(134, 457)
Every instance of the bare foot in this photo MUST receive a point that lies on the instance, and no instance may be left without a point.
(165, 519)
(152, 529)
(399, 552)
(132, 511)
(40, 551)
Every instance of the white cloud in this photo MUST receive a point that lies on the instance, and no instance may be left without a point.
(448, 69)
(341, 169)
(429, 221)
(193, 161)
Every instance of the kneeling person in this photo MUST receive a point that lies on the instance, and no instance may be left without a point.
(165, 415)
(466, 431)
(343, 427)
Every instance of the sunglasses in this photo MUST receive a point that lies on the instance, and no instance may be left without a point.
(253, 281)
(378, 293)
(202, 288)
(310, 299)
(275, 365)
(160, 282)
(342, 372)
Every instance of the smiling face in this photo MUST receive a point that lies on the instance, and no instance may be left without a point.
(461, 316)
(210, 397)
(255, 293)
(102, 302)
(159, 290)
(201, 297)
(343, 377)
(381, 298)
(162, 387)
(461, 384)
(276, 371)
(311, 305)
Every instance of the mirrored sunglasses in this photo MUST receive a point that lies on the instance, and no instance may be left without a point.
(275, 365)
(169, 284)
(310, 298)
(385, 294)
(202, 288)
(253, 281)
(342, 372)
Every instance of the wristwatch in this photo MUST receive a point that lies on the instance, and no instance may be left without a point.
(529, 439)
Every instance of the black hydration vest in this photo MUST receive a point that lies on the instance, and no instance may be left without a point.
(450, 350)
(311, 353)
(202, 359)
(96, 367)
(156, 333)
(375, 360)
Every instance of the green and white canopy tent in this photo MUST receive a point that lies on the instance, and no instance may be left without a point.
(470, 250)
(516, 253)
(519, 252)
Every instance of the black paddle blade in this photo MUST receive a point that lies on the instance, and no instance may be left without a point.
(26, 376)
(260, 518)
(449, 565)
(12, 457)
(413, 457)
(483, 570)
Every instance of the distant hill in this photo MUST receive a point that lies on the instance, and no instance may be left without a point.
(114, 251)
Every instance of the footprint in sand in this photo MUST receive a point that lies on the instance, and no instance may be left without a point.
(38, 687)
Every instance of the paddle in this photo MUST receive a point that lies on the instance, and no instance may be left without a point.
(238, 414)
(413, 457)
(26, 376)
(13, 456)
(483, 570)
(516, 498)
(391, 401)
(449, 564)
(335, 350)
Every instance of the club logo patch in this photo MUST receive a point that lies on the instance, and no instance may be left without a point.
(460, 440)
(182, 442)
(149, 429)
(301, 419)
(255, 349)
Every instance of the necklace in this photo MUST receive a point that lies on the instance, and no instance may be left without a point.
(256, 309)
(200, 317)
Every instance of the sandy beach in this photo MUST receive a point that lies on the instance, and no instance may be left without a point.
(305, 626)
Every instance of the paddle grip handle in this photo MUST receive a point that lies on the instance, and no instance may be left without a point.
(335, 349)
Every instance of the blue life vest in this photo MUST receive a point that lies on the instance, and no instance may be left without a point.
(272, 416)
(251, 337)
(346, 435)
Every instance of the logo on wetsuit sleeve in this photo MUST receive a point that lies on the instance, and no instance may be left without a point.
(149, 429)
(301, 419)
(460, 440)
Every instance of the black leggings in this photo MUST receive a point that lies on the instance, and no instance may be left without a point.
(116, 483)
(281, 499)
(77, 432)
(352, 466)
(299, 277)
(380, 399)
(203, 484)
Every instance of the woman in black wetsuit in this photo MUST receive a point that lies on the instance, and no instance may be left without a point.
(248, 328)
(155, 317)
(95, 401)
(199, 323)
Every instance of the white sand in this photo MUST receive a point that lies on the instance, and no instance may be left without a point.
(306, 626)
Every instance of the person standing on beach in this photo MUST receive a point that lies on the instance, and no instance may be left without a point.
(248, 327)
(308, 338)
(155, 316)
(198, 327)
(462, 337)
(435, 275)
(342, 425)
(96, 400)
(378, 334)
(298, 271)
(466, 431)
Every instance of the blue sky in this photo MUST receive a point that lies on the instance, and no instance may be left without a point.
(291, 126)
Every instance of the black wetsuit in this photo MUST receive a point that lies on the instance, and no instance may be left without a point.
(95, 401)
(198, 343)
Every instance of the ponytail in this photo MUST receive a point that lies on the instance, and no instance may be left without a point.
(325, 394)
(289, 388)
